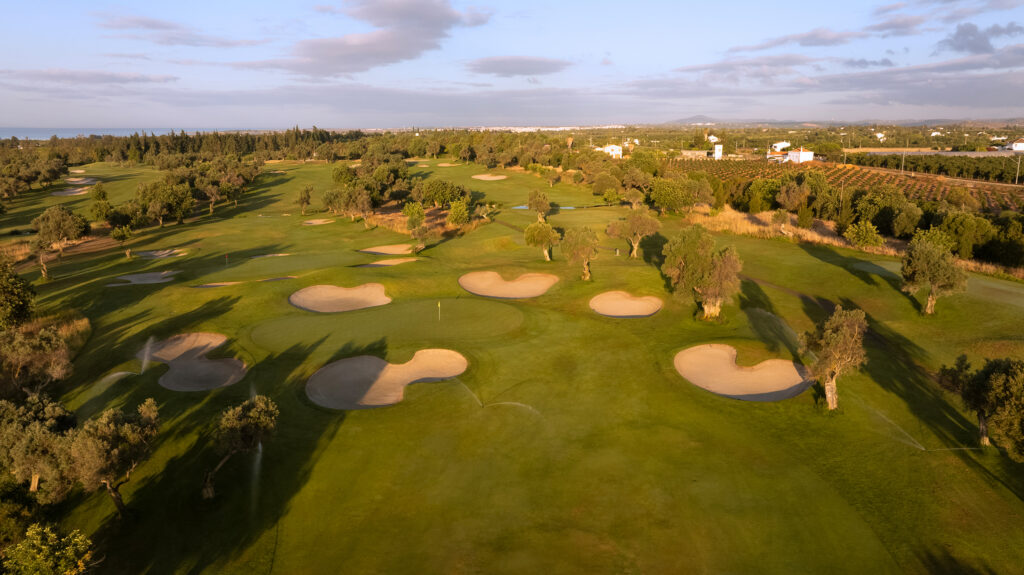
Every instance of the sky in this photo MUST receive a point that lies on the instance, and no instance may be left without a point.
(225, 64)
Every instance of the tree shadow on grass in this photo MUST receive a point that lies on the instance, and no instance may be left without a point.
(652, 247)
(174, 530)
(769, 327)
(940, 561)
(829, 255)
(896, 364)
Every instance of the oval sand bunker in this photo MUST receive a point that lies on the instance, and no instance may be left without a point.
(489, 177)
(332, 299)
(623, 304)
(491, 284)
(190, 370)
(366, 381)
(713, 367)
(390, 250)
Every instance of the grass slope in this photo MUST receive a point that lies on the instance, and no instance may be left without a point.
(570, 444)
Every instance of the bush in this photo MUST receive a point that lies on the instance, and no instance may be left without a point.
(805, 217)
(863, 234)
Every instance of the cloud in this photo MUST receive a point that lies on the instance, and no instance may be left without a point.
(816, 37)
(80, 77)
(167, 33)
(897, 26)
(862, 63)
(762, 69)
(127, 56)
(404, 29)
(509, 66)
(970, 39)
(889, 8)
(958, 10)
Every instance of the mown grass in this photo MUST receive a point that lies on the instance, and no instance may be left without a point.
(570, 444)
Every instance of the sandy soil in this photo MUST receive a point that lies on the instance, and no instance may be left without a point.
(387, 263)
(713, 367)
(489, 177)
(366, 381)
(190, 370)
(331, 299)
(148, 278)
(160, 254)
(622, 304)
(392, 250)
(269, 256)
(491, 284)
(71, 192)
(318, 222)
(447, 165)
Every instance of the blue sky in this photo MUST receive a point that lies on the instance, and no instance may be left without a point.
(396, 63)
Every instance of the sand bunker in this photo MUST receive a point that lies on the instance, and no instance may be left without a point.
(447, 165)
(422, 165)
(366, 381)
(317, 222)
(148, 278)
(713, 367)
(77, 171)
(489, 177)
(185, 355)
(217, 284)
(71, 192)
(331, 299)
(622, 304)
(388, 263)
(269, 256)
(392, 250)
(491, 284)
(81, 181)
(160, 254)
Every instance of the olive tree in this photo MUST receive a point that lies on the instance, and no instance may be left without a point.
(414, 218)
(693, 265)
(305, 198)
(638, 225)
(539, 203)
(580, 246)
(635, 197)
(107, 449)
(929, 263)
(44, 552)
(838, 345)
(863, 234)
(55, 228)
(35, 443)
(241, 429)
(996, 394)
(542, 235)
(16, 297)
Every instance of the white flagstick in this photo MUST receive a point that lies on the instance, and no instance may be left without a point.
(438, 311)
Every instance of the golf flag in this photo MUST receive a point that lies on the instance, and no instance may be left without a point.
(438, 311)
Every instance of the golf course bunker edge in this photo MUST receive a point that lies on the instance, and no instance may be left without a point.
(713, 367)
(367, 381)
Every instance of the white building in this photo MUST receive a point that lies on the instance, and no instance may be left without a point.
(779, 146)
(713, 139)
(799, 156)
(880, 136)
(1017, 145)
(718, 151)
(612, 150)
(934, 134)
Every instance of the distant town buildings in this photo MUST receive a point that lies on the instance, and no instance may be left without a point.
(612, 150)
(779, 146)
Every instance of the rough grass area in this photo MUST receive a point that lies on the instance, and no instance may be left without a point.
(570, 444)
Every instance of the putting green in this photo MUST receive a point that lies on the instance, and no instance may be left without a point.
(462, 319)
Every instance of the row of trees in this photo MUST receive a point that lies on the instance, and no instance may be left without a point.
(994, 169)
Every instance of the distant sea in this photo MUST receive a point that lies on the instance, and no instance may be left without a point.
(45, 133)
